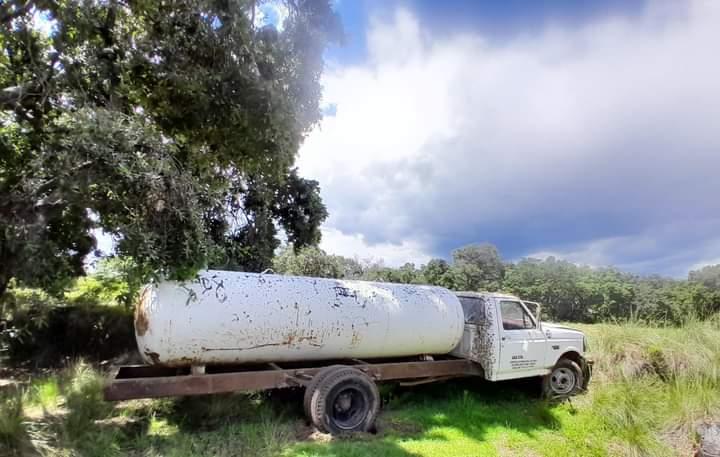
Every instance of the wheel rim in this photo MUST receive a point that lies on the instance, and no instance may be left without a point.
(348, 408)
(562, 381)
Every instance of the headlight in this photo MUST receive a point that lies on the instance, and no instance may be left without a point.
(586, 347)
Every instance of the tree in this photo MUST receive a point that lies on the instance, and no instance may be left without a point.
(607, 294)
(171, 125)
(709, 276)
(351, 268)
(377, 271)
(477, 267)
(436, 272)
(557, 284)
(308, 261)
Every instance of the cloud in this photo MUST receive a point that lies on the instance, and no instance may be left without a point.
(336, 242)
(579, 140)
(648, 252)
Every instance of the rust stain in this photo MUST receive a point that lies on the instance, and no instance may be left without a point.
(141, 320)
(181, 362)
(290, 338)
(355, 340)
(294, 338)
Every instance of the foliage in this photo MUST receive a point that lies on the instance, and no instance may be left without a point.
(477, 267)
(172, 126)
(34, 326)
(96, 332)
(84, 399)
(572, 292)
(708, 276)
(310, 261)
(377, 271)
(567, 291)
(12, 429)
(114, 282)
(437, 272)
(23, 311)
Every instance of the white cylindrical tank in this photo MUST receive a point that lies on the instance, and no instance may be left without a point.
(233, 317)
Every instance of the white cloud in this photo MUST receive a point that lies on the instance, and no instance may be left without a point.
(575, 136)
(705, 263)
(394, 255)
(649, 253)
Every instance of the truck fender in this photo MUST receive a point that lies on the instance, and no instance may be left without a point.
(582, 361)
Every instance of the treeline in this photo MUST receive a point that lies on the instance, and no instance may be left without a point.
(568, 292)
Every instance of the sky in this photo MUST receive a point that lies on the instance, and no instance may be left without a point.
(585, 130)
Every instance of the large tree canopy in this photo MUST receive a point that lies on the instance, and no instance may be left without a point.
(171, 124)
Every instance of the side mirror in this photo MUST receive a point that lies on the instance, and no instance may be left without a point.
(537, 313)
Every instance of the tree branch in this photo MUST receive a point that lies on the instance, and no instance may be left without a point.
(22, 95)
(14, 10)
(44, 187)
(252, 16)
(25, 95)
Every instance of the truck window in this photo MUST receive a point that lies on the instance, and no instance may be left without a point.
(514, 316)
(474, 309)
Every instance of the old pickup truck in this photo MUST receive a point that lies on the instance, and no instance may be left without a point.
(231, 331)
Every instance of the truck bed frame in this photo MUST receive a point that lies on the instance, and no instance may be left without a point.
(152, 381)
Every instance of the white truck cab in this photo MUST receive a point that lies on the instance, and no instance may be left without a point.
(509, 341)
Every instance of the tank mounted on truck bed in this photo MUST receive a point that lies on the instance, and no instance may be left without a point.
(230, 331)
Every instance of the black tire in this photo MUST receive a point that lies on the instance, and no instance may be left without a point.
(565, 380)
(312, 386)
(346, 400)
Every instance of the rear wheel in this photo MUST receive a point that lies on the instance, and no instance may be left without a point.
(345, 400)
(565, 380)
(312, 386)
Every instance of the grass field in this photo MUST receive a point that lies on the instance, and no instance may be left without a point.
(651, 387)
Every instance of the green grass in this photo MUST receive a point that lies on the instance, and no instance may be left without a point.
(12, 429)
(45, 393)
(650, 389)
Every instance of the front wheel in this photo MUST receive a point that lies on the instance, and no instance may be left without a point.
(565, 380)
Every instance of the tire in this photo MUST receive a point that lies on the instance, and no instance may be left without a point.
(312, 386)
(565, 380)
(346, 400)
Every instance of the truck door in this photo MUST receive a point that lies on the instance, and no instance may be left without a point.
(479, 342)
(522, 343)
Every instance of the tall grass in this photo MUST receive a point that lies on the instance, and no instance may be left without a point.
(653, 386)
(45, 393)
(691, 352)
(84, 399)
(12, 422)
(650, 389)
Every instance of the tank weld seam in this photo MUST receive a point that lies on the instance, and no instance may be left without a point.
(283, 343)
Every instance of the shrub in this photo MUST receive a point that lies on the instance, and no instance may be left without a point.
(83, 398)
(12, 421)
(91, 332)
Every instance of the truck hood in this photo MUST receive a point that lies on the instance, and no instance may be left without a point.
(560, 331)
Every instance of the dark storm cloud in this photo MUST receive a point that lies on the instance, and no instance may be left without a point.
(599, 144)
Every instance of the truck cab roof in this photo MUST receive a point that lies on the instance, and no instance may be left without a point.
(486, 295)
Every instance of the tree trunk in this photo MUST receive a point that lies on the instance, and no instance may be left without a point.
(3, 285)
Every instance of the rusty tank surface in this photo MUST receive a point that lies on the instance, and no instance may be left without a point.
(225, 317)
